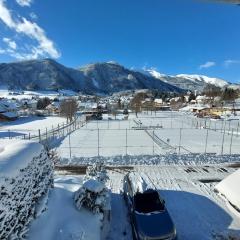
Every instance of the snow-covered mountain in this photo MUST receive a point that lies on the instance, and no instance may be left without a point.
(101, 78)
(187, 81)
(201, 78)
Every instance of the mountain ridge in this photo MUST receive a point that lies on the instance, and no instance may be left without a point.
(96, 78)
(100, 78)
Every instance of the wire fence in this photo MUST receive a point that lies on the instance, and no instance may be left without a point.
(166, 133)
(90, 142)
(48, 135)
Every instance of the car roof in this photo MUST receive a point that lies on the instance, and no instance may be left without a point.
(140, 182)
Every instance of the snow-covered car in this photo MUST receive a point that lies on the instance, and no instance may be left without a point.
(148, 214)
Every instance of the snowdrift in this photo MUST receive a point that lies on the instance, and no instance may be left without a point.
(26, 173)
(229, 188)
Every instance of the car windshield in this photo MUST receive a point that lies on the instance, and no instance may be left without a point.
(148, 202)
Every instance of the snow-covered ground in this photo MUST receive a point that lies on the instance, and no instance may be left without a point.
(30, 94)
(197, 211)
(152, 133)
(62, 220)
(186, 181)
(29, 124)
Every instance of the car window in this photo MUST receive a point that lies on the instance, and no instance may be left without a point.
(148, 202)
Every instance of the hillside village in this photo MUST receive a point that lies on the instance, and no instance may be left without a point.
(212, 104)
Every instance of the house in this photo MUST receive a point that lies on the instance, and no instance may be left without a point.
(158, 102)
(202, 99)
(54, 107)
(29, 104)
(8, 110)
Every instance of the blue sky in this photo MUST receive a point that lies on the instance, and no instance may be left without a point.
(173, 36)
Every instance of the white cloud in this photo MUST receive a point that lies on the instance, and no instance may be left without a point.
(207, 65)
(11, 44)
(229, 62)
(2, 51)
(24, 3)
(33, 16)
(45, 46)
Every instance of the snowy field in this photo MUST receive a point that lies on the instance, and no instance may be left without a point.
(29, 125)
(151, 134)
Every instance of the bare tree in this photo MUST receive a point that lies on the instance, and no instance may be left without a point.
(68, 108)
(136, 103)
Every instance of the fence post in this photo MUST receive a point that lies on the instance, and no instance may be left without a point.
(231, 142)
(237, 128)
(98, 142)
(9, 134)
(206, 142)
(153, 138)
(29, 135)
(180, 139)
(46, 134)
(52, 131)
(126, 141)
(70, 148)
(39, 135)
(223, 141)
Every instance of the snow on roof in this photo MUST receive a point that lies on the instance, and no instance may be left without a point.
(7, 105)
(190, 107)
(9, 114)
(16, 155)
(158, 100)
(93, 185)
(229, 188)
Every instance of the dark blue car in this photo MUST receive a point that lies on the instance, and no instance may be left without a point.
(149, 217)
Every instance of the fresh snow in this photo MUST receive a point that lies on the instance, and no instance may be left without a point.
(197, 211)
(215, 81)
(16, 156)
(93, 185)
(30, 124)
(62, 220)
(230, 189)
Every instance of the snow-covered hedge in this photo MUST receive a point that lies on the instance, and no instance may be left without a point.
(26, 174)
(184, 159)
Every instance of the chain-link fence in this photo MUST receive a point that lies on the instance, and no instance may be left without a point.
(90, 141)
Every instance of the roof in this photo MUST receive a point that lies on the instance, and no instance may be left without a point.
(9, 114)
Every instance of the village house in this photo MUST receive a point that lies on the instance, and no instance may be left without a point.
(8, 110)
